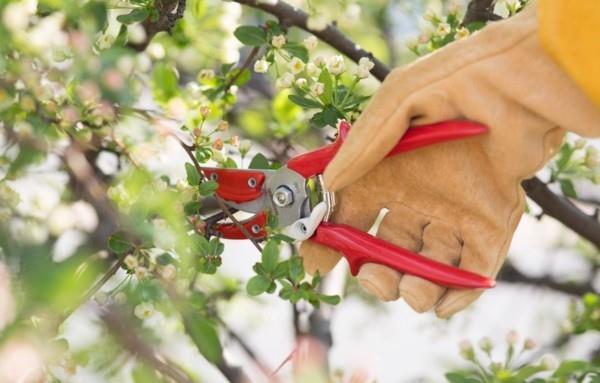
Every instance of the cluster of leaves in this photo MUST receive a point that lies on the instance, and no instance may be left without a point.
(321, 86)
(575, 161)
(584, 315)
(289, 275)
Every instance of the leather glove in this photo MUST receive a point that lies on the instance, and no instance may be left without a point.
(458, 202)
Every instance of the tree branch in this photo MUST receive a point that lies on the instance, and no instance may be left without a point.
(120, 328)
(480, 11)
(169, 11)
(555, 206)
(291, 16)
(511, 274)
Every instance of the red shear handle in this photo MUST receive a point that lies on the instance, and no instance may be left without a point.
(237, 185)
(359, 248)
(315, 162)
(255, 226)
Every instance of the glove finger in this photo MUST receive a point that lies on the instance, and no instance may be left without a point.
(403, 227)
(475, 257)
(381, 126)
(317, 257)
(440, 242)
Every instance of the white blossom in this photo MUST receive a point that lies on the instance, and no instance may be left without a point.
(313, 70)
(16, 16)
(352, 13)
(462, 32)
(207, 74)
(443, 29)
(317, 89)
(261, 66)
(130, 261)
(87, 219)
(336, 65)
(144, 310)
(285, 81)
(549, 362)
(310, 42)
(61, 219)
(366, 63)
(512, 337)
(317, 22)
(278, 41)
(301, 82)
(296, 65)
(156, 51)
(141, 272)
(362, 72)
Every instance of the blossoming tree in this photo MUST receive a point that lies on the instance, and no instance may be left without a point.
(108, 113)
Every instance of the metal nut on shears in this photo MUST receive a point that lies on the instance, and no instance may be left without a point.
(283, 196)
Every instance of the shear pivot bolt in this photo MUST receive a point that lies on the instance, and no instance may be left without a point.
(255, 229)
(283, 196)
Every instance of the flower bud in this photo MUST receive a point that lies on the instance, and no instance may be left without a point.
(204, 111)
(529, 344)
(486, 344)
(218, 144)
(549, 362)
(223, 125)
(512, 337)
(278, 41)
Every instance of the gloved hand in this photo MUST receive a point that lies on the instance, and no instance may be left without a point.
(458, 202)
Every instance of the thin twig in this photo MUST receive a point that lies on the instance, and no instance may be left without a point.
(189, 150)
(246, 64)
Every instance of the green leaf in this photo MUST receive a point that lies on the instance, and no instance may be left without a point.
(205, 337)
(296, 269)
(257, 285)
(118, 244)
(457, 377)
(135, 16)
(270, 256)
(297, 50)
(202, 245)
(325, 78)
(570, 367)
(304, 102)
(526, 372)
(143, 374)
(329, 299)
(164, 82)
(203, 154)
(243, 77)
(567, 188)
(193, 178)
(250, 35)
(259, 162)
(208, 188)
(564, 156)
(192, 207)
(331, 115)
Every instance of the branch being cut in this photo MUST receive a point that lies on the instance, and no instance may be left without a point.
(480, 11)
(292, 16)
(554, 205)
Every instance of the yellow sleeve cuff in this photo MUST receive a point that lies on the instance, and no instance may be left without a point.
(570, 33)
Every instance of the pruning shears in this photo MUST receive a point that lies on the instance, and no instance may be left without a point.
(296, 196)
